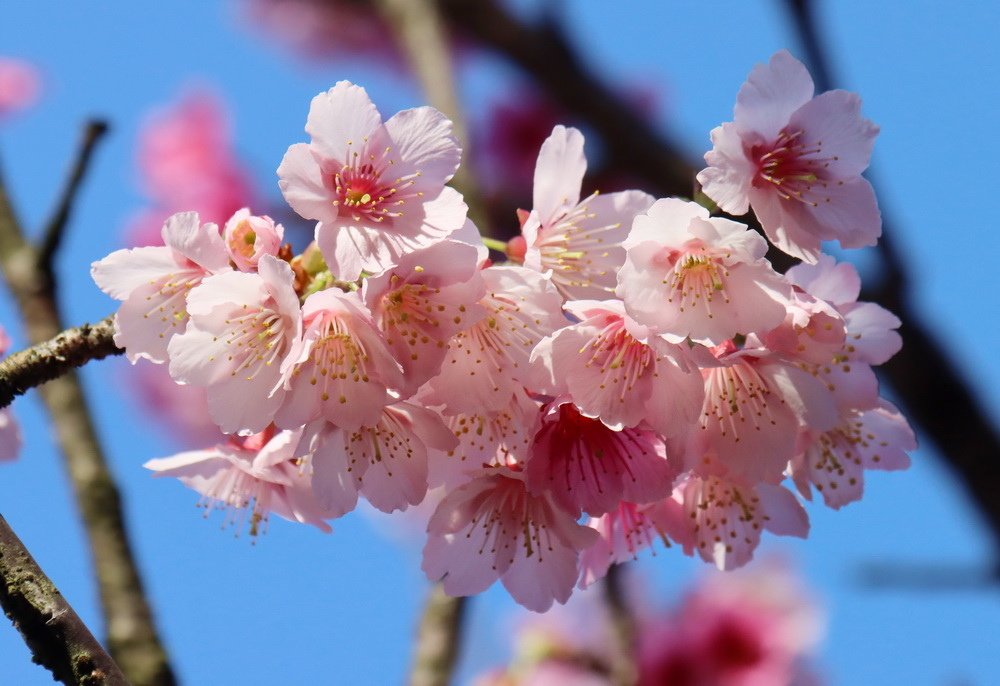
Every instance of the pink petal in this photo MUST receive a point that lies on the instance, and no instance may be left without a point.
(123, 271)
(832, 122)
(422, 138)
(300, 179)
(559, 173)
(772, 92)
(730, 172)
(340, 121)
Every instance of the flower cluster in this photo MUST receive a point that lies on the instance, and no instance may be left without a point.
(636, 371)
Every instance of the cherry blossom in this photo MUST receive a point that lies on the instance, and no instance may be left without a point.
(580, 241)
(491, 528)
(249, 478)
(154, 283)
(690, 275)
(241, 328)
(20, 84)
(376, 189)
(249, 237)
(796, 160)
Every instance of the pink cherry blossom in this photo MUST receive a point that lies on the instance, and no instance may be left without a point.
(376, 189)
(834, 461)
(491, 528)
(726, 519)
(431, 295)
(796, 160)
(250, 477)
(249, 237)
(590, 468)
(813, 331)
(488, 363)
(154, 283)
(617, 371)
(20, 84)
(341, 370)
(756, 403)
(241, 328)
(580, 241)
(690, 275)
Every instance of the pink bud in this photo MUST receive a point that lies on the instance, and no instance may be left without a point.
(248, 238)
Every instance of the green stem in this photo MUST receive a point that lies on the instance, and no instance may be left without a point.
(494, 244)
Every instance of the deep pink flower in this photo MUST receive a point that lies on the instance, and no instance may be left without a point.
(249, 237)
(488, 363)
(154, 283)
(249, 477)
(587, 467)
(376, 189)
(385, 461)
(20, 84)
(241, 328)
(726, 519)
(796, 160)
(431, 295)
(618, 371)
(690, 275)
(341, 370)
(491, 528)
(580, 241)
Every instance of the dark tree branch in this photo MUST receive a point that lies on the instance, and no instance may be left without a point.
(623, 667)
(93, 132)
(132, 637)
(438, 639)
(55, 634)
(930, 387)
(51, 359)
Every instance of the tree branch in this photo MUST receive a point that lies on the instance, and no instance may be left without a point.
(438, 639)
(55, 634)
(54, 230)
(930, 388)
(51, 359)
(131, 633)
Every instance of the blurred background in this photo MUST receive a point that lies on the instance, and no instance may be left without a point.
(203, 98)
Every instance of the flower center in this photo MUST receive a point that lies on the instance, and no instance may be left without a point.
(796, 170)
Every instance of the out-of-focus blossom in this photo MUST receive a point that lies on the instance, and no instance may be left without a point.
(10, 430)
(20, 85)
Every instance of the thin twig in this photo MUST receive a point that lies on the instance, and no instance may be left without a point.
(438, 639)
(623, 667)
(51, 359)
(55, 634)
(421, 32)
(56, 226)
(132, 637)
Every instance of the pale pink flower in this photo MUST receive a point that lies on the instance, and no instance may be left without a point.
(834, 461)
(341, 370)
(251, 477)
(154, 283)
(796, 160)
(488, 363)
(587, 467)
(491, 528)
(690, 275)
(249, 237)
(431, 295)
(620, 372)
(580, 241)
(241, 328)
(726, 519)
(385, 461)
(376, 189)
(629, 529)
(755, 406)
(813, 331)
(20, 84)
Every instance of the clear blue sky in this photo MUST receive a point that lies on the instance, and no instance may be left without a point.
(301, 607)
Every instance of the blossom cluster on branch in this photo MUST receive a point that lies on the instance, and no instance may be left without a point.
(635, 371)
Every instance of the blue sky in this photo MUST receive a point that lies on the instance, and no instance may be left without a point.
(298, 606)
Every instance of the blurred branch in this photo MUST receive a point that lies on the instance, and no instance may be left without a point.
(929, 576)
(438, 639)
(623, 667)
(55, 634)
(421, 33)
(932, 391)
(54, 230)
(131, 634)
(930, 388)
(51, 359)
